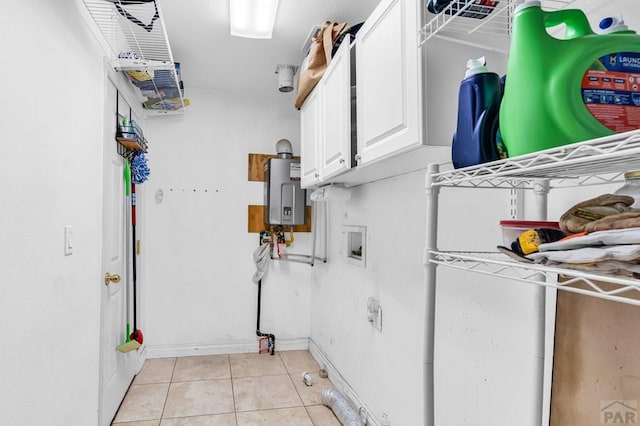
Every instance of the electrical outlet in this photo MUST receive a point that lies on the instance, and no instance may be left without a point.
(68, 240)
(375, 313)
(372, 308)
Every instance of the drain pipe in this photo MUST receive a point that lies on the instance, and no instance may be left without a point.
(342, 408)
(270, 336)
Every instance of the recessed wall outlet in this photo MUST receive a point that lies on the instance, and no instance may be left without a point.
(355, 243)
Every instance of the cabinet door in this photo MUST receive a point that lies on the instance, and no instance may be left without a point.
(335, 149)
(389, 86)
(310, 139)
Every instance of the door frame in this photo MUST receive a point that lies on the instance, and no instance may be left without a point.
(113, 80)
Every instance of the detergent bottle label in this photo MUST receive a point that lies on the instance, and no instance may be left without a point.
(611, 91)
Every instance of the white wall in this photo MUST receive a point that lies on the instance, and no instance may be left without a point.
(51, 176)
(197, 293)
(485, 348)
(384, 368)
(485, 329)
(488, 357)
(446, 67)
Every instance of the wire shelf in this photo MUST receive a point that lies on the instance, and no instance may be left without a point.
(614, 288)
(465, 17)
(469, 17)
(137, 38)
(590, 162)
(125, 35)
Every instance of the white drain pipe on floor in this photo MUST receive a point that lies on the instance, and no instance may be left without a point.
(342, 407)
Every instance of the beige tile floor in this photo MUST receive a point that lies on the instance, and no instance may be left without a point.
(227, 390)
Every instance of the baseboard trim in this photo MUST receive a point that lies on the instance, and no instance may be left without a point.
(248, 346)
(340, 383)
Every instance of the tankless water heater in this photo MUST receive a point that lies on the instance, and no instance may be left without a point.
(284, 199)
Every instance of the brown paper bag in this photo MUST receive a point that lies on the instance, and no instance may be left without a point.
(318, 59)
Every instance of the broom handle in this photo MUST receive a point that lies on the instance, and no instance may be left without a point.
(134, 254)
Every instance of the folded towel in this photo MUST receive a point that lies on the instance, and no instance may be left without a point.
(598, 238)
(624, 253)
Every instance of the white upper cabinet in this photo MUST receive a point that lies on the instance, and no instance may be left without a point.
(389, 82)
(325, 123)
(386, 116)
(310, 137)
(335, 148)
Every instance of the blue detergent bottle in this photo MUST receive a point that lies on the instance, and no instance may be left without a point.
(474, 141)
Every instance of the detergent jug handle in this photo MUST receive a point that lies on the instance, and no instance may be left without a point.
(575, 20)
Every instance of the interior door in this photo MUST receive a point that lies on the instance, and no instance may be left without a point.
(116, 368)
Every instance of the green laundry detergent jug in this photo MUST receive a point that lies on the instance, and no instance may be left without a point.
(560, 91)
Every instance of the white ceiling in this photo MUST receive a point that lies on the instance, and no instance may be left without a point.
(210, 58)
(198, 33)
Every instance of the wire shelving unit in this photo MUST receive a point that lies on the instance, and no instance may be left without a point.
(597, 161)
(139, 46)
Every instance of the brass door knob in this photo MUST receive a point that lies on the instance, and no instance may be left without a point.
(109, 278)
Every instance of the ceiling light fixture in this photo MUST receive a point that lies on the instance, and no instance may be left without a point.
(252, 18)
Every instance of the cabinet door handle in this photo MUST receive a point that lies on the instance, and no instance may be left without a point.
(342, 161)
(316, 175)
(358, 157)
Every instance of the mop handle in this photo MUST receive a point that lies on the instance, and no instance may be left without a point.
(134, 254)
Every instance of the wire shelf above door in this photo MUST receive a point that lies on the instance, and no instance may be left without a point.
(135, 33)
(149, 44)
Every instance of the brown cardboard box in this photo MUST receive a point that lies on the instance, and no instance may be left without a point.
(596, 368)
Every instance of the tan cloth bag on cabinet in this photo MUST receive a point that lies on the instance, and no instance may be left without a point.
(318, 59)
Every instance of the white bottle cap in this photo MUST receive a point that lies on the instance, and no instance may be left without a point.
(611, 24)
(476, 66)
(527, 4)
